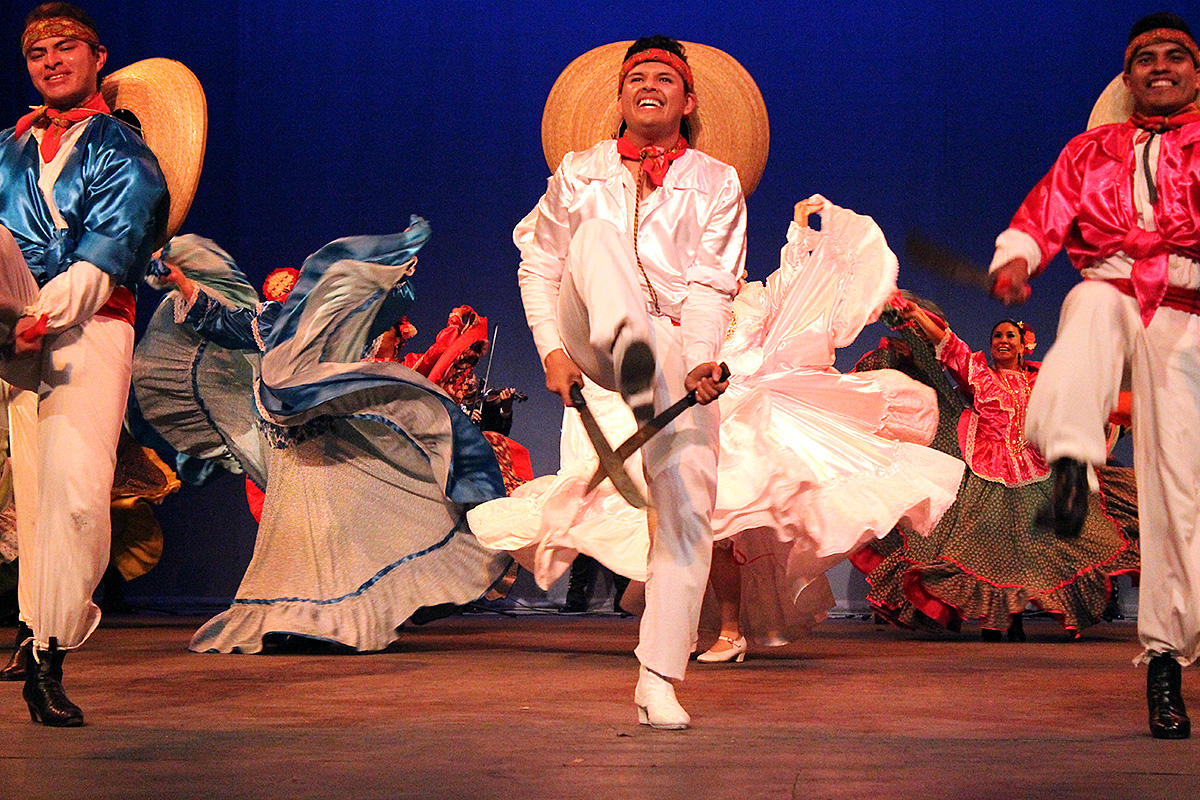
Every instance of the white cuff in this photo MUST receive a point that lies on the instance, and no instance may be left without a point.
(73, 296)
(704, 321)
(1013, 243)
(546, 339)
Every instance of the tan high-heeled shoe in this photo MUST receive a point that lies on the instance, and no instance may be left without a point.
(735, 652)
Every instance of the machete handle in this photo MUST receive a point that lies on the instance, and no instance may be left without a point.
(576, 392)
(725, 374)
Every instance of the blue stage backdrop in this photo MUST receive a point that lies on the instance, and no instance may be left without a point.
(335, 118)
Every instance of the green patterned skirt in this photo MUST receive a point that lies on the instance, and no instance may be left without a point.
(991, 555)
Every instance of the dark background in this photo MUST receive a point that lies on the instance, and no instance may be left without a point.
(334, 118)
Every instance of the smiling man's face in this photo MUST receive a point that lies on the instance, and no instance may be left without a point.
(654, 100)
(1162, 78)
(64, 70)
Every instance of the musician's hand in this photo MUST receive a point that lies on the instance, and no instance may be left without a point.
(705, 381)
(1010, 283)
(561, 373)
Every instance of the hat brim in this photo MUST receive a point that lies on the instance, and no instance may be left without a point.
(169, 103)
(1115, 104)
(730, 123)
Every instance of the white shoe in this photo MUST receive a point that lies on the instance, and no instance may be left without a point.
(735, 652)
(656, 703)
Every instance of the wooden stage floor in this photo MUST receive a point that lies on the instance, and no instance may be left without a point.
(540, 706)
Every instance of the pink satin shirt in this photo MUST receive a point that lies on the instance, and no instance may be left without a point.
(992, 432)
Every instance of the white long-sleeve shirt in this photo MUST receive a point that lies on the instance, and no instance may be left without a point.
(691, 240)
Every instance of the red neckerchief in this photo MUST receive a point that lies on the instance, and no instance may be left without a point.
(655, 160)
(1147, 248)
(58, 122)
(1189, 113)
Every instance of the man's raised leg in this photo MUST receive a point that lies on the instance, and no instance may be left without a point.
(602, 315)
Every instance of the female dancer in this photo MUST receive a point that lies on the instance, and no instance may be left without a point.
(368, 465)
(991, 554)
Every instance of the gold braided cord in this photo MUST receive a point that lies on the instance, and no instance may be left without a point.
(637, 211)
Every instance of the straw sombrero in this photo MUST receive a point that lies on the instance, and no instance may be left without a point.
(1114, 104)
(730, 124)
(168, 102)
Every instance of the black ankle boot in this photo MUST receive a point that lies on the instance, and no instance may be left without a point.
(620, 584)
(1069, 496)
(18, 666)
(583, 572)
(1016, 631)
(1168, 717)
(48, 703)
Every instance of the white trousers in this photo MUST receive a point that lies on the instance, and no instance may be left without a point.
(602, 308)
(63, 438)
(1099, 332)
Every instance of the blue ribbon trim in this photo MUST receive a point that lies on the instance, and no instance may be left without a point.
(458, 527)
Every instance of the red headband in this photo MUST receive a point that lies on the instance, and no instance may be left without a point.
(1161, 35)
(661, 56)
(57, 26)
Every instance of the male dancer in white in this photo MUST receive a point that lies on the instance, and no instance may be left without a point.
(629, 277)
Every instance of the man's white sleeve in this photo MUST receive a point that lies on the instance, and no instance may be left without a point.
(72, 297)
(714, 276)
(543, 238)
(1012, 243)
(703, 323)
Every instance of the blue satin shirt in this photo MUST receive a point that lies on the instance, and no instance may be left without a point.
(111, 193)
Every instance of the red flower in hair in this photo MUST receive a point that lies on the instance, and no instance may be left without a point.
(279, 283)
(405, 330)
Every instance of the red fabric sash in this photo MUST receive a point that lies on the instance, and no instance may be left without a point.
(662, 57)
(1149, 254)
(1161, 35)
(36, 330)
(655, 160)
(1175, 297)
(65, 27)
(58, 122)
(122, 305)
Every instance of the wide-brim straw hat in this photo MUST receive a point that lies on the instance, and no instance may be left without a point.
(730, 122)
(1114, 104)
(168, 102)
